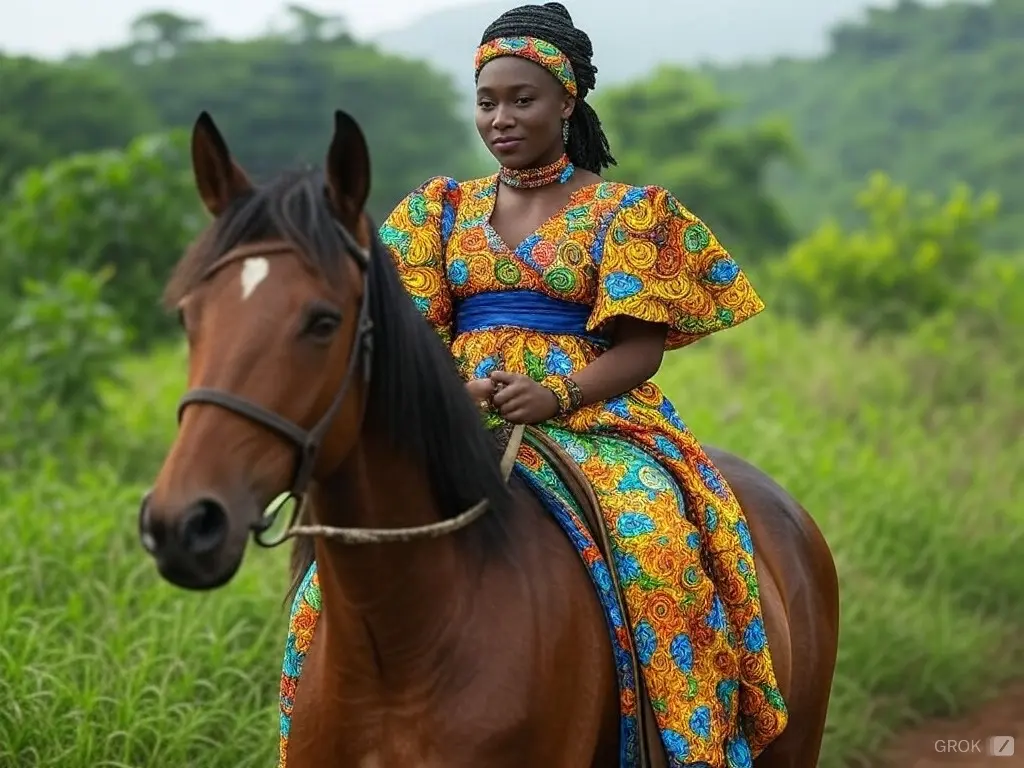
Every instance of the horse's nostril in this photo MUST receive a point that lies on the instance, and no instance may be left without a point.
(147, 536)
(204, 527)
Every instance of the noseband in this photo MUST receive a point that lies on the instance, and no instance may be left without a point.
(308, 442)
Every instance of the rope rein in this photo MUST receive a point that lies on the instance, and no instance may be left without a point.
(413, 533)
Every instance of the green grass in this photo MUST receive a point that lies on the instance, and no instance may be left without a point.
(912, 480)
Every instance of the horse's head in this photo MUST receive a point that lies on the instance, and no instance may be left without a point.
(271, 299)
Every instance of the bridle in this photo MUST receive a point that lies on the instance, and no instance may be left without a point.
(308, 442)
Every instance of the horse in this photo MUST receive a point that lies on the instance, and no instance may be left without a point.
(473, 638)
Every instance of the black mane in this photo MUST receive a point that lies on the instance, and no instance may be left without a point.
(416, 398)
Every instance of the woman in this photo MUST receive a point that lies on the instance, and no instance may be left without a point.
(558, 293)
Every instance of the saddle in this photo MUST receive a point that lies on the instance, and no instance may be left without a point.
(652, 751)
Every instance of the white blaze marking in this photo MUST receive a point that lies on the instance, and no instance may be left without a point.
(254, 272)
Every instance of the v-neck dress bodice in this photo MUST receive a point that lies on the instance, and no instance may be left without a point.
(612, 249)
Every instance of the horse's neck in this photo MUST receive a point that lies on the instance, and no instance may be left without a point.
(395, 600)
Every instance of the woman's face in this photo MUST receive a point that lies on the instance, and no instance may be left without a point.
(520, 107)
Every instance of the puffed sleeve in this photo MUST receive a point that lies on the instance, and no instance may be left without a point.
(415, 233)
(660, 263)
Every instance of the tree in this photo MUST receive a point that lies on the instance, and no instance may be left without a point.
(19, 148)
(162, 35)
(275, 97)
(312, 27)
(132, 211)
(929, 94)
(48, 110)
(670, 130)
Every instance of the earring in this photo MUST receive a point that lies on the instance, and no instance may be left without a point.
(565, 132)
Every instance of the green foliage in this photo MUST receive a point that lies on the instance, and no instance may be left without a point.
(668, 130)
(48, 110)
(909, 263)
(961, 353)
(133, 210)
(274, 98)
(992, 307)
(136, 209)
(911, 27)
(57, 353)
(931, 95)
(102, 664)
(19, 149)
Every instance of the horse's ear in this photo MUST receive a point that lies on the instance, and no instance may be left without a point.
(219, 178)
(348, 170)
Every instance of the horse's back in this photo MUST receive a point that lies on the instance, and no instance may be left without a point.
(800, 601)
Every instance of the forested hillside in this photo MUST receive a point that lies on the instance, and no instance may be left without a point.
(276, 93)
(928, 95)
(931, 96)
(630, 41)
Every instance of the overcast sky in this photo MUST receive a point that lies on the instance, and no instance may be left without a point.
(53, 28)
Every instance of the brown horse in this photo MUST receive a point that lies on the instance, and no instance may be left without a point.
(484, 648)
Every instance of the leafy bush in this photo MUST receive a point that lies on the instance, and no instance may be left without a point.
(909, 264)
(973, 350)
(57, 352)
(133, 210)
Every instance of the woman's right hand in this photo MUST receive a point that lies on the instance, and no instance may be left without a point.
(481, 390)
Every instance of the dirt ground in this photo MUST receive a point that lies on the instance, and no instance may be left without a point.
(988, 728)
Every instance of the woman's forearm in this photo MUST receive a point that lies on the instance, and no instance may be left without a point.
(634, 357)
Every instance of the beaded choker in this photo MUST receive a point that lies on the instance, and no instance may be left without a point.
(558, 172)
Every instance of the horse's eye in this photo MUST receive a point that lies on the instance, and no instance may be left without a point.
(322, 325)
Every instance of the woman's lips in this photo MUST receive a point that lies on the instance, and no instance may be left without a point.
(506, 143)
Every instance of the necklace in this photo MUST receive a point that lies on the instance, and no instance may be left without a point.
(558, 172)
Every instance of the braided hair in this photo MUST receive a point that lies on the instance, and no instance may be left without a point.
(587, 146)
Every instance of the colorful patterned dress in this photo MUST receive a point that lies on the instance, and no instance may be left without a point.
(683, 549)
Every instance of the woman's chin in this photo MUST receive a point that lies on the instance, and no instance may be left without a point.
(516, 159)
(511, 160)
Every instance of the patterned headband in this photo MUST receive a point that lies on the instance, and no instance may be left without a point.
(536, 50)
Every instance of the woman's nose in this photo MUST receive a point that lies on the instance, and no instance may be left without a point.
(502, 119)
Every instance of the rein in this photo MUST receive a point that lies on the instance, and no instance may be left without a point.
(414, 533)
(308, 442)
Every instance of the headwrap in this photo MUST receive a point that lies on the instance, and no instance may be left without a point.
(534, 49)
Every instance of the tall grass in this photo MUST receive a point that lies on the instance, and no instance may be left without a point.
(913, 482)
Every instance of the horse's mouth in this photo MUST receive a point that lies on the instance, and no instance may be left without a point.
(196, 577)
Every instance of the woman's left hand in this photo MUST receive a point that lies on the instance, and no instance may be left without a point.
(521, 400)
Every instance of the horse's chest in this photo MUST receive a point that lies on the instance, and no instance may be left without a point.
(328, 725)
(343, 719)
(340, 719)
(323, 734)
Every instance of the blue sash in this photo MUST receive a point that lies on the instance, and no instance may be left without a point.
(530, 310)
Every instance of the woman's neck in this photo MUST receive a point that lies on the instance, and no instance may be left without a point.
(559, 171)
